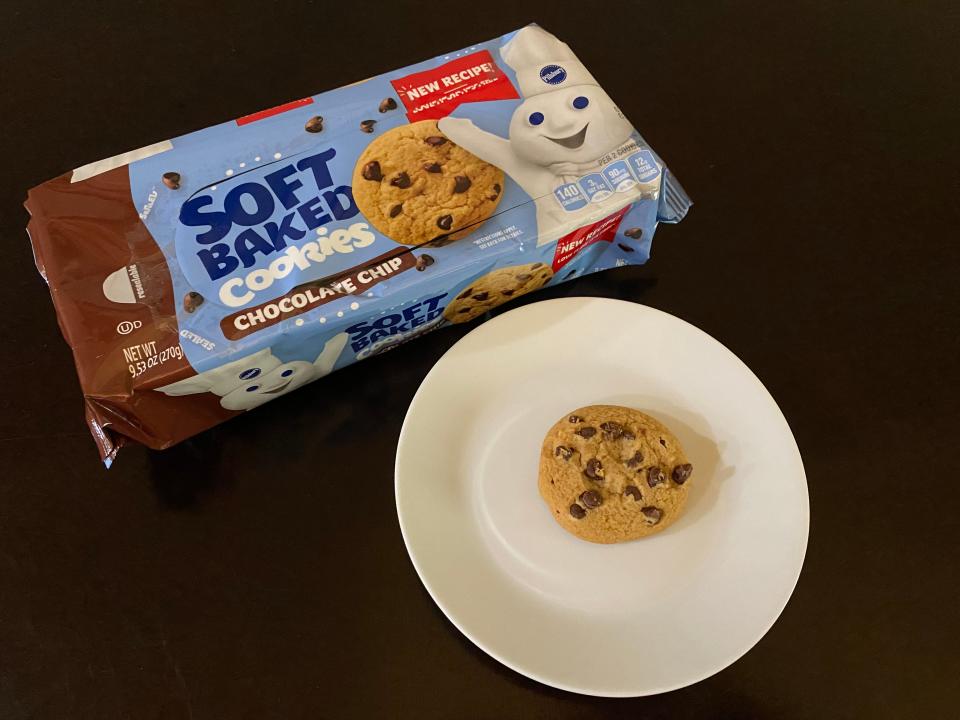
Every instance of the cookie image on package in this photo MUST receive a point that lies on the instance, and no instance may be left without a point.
(496, 288)
(609, 474)
(416, 186)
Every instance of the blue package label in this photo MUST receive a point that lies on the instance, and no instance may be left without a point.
(595, 187)
(618, 176)
(269, 251)
(644, 166)
(570, 197)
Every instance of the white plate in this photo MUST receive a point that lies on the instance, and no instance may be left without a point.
(620, 620)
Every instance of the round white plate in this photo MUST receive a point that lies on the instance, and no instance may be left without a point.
(631, 619)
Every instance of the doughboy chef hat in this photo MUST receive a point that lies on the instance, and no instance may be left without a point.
(543, 63)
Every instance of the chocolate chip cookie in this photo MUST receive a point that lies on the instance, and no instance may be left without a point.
(496, 288)
(416, 186)
(610, 474)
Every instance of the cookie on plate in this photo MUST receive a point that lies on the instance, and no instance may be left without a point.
(610, 474)
(416, 186)
(496, 288)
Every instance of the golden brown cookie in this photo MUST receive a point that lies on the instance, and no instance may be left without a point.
(496, 288)
(415, 185)
(610, 474)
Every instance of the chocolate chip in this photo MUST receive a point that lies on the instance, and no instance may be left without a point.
(424, 261)
(192, 300)
(575, 419)
(445, 222)
(614, 430)
(461, 183)
(625, 248)
(387, 104)
(587, 432)
(651, 514)
(523, 277)
(314, 124)
(655, 476)
(508, 293)
(594, 470)
(465, 293)
(496, 189)
(432, 167)
(435, 140)
(591, 499)
(367, 125)
(371, 171)
(578, 512)
(633, 491)
(396, 210)
(481, 296)
(172, 180)
(401, 180)
(635, 233)
(663, 442)
(565, 452)
(611, 428)
(635, 460)
(681, 473)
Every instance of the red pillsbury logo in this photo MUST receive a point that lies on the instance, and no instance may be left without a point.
(553, 74)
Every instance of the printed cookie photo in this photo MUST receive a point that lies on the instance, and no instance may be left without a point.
(610, 474)
(496, 288)
(416, 186)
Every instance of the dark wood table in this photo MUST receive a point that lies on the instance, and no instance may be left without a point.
(258, 570)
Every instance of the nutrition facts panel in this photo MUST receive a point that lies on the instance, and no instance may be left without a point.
(619, 176)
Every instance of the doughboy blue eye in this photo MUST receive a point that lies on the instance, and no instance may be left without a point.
(253, 388)
(249, 374)
(286, 373)
(535, 118)
(580, 102)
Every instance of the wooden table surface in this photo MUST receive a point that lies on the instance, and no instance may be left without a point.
(227, 577)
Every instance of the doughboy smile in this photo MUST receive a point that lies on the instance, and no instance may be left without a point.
(571, 141)
(279, 388)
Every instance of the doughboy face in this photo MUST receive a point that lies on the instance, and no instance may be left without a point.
(248, 370)
(225, 378)
(266, 387)
(576, 124)
(258, 378)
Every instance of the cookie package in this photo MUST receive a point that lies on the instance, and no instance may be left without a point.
(202, 276)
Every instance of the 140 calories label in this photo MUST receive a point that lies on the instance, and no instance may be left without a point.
(570, 197)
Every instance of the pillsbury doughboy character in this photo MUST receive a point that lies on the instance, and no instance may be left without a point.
(558, 134)
(258, 378)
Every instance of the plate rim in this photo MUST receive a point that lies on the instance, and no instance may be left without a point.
(532, 674)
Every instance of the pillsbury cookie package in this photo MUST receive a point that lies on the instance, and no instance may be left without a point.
(200, 277)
